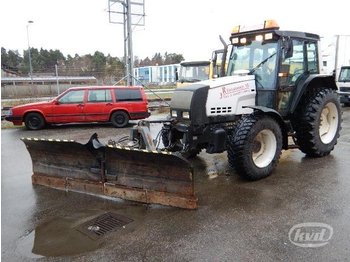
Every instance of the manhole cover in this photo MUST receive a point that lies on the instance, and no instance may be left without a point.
(103, 224)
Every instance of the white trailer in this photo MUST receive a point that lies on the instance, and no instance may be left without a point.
(336, 60)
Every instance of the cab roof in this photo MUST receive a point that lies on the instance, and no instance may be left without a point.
(281, 33)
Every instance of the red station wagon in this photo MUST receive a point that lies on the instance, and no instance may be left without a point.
(84, 104)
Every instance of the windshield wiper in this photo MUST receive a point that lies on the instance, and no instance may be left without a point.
(260, 64)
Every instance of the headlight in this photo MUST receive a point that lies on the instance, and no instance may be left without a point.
(186, 115)
(173, 113)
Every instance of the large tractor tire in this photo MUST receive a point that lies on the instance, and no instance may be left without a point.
(255, 146)
(318, 123)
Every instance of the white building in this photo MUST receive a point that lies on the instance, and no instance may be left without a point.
(161, 75)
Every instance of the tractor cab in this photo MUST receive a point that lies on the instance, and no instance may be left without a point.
(279, 60)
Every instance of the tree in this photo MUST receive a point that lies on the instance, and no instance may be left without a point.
(98, 61)
(158, 59)
(174, 58)
(11, 59)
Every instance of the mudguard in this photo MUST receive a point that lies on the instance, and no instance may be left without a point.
(152, 177)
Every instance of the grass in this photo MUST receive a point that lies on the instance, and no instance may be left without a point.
(152, 97)
(7, 125)
(17, 102)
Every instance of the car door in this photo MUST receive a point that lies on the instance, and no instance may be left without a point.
(69, 107)
(98, 105)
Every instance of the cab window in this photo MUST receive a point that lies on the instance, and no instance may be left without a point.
(72, 97)
(293, 67)
(99, 96)
(312, 58)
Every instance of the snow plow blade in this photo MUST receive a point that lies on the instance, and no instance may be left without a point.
(152, 177)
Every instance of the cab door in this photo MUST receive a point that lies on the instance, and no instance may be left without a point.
(69, 107)
(296, 70)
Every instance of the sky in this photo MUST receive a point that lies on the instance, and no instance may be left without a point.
(188, 27)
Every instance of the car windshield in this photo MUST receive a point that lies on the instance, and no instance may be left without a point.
(194, 73)
(255, 57)
(344, 75)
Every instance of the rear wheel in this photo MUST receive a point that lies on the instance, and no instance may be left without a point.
(255, 146)
(318, 123)
(34, 121)
(120, 119)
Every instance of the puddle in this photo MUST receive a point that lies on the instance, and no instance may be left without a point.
(60, 236)
(57, 237)
(25, 246)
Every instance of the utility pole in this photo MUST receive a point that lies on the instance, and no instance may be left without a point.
(125, 14)
(58, 86)
(130, 54)
(29, 55)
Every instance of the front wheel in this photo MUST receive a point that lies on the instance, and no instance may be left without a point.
(34, 121)
(120, 119)
(255, 146)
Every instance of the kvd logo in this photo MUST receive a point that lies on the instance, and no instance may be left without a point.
(310, 234)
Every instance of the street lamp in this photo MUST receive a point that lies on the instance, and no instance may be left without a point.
(30, 58)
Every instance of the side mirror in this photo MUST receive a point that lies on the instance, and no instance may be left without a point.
(288, 48)
(214, 56)
(56, 102)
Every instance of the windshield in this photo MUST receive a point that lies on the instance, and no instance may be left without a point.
(255, 57)
(344, 75)
(194, 73)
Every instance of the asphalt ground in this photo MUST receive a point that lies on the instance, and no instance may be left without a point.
(236, 220)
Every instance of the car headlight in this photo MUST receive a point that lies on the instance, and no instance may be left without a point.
(173, 113)
(186, 115)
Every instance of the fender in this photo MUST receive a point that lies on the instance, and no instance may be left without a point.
(34, 111)
(310, 81)
(279, 119)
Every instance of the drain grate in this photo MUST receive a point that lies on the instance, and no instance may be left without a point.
(103, 224)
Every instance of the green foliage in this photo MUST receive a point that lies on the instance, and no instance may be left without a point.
(11, 58)
(158, 59)
(98, 65)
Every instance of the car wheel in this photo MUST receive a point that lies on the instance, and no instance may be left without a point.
(120, 119)
(34, 121)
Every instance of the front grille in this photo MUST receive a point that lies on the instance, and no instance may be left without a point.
(221, 110)
(344, 89)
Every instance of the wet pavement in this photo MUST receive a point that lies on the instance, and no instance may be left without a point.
(236, 219)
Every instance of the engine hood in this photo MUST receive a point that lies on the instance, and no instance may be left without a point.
(225, 96)
(216, 82)
(31, 105)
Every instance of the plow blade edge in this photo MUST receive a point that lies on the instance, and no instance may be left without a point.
(152, 177)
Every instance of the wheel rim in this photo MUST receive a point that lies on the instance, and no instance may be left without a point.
(328, 123)
(264, 148)
(120, 119)
(34, 122)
